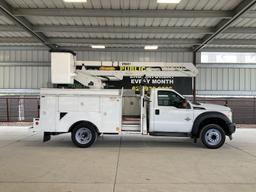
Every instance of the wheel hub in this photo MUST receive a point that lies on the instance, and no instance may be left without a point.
(83, 135)
(213, 137)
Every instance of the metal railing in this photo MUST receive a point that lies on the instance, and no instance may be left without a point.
(18, 109)
(244, 109)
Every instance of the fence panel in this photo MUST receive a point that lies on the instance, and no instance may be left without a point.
(14, 109)
(243, 108)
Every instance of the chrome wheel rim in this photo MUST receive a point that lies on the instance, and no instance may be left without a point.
(213, 137)
(83, 135)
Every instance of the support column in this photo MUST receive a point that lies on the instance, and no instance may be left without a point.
(194, 78)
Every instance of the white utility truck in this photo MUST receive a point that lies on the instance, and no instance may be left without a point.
(87, 113)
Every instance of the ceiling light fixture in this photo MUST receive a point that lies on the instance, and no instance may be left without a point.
(151, 47)
(169, 1)
(75, 1)
(98, 46)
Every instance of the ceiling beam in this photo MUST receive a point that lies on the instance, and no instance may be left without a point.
(130, 29)
(11, 28)
(25, 40)
(111, 29)
(145, 13)
(241, 30)
(89, 41)
(130, 42)
(86, 48)
(142, 13)
(238, 12)
(250, 14)
(141, 30)
(160, 42)
(22, 22)
(238, 42)
(126, 49)
(118, 29)
(228, 49)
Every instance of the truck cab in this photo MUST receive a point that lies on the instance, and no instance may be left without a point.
(171, 114)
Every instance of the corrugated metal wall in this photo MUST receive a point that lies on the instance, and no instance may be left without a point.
(226, 79)
(137, 56)
(30, 68)
(24, 77)
(24, 68)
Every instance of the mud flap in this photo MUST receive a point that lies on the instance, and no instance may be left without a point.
(47, 136)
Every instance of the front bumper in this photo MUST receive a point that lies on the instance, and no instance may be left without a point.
(231, 128)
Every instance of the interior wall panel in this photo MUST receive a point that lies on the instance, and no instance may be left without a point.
(24, 77)
(226, 80)
(136, 56)
(20, 55)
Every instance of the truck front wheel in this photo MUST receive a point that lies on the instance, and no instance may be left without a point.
(213, 136)
(83, 135)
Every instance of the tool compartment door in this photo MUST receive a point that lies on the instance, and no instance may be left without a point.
(48, 113)
(111, 114)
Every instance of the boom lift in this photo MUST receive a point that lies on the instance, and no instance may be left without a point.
(66, 69)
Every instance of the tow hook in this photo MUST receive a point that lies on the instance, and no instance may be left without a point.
(230, 137)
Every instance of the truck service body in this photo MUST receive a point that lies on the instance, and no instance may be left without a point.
(161, 114)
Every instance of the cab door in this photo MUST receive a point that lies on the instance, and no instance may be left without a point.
(170, 115)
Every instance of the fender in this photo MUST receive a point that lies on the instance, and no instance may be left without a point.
(85, 122)
(204, 116)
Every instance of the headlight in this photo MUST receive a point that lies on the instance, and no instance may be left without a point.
(229, 115)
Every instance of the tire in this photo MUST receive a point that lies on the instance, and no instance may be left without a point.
(83, 135)
(213, 136)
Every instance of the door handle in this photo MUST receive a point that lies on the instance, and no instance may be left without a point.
(157, 112)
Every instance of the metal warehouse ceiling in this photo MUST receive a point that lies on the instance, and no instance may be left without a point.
(130, 24)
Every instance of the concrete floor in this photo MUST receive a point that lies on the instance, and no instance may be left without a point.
(130, 163)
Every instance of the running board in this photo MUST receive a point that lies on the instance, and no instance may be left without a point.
(130, 127)
(131, 133)
(170, 134)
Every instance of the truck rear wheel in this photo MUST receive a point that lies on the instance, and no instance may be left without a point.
(83, 135)
(213, 136)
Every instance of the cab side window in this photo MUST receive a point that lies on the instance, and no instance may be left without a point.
(169, 98)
